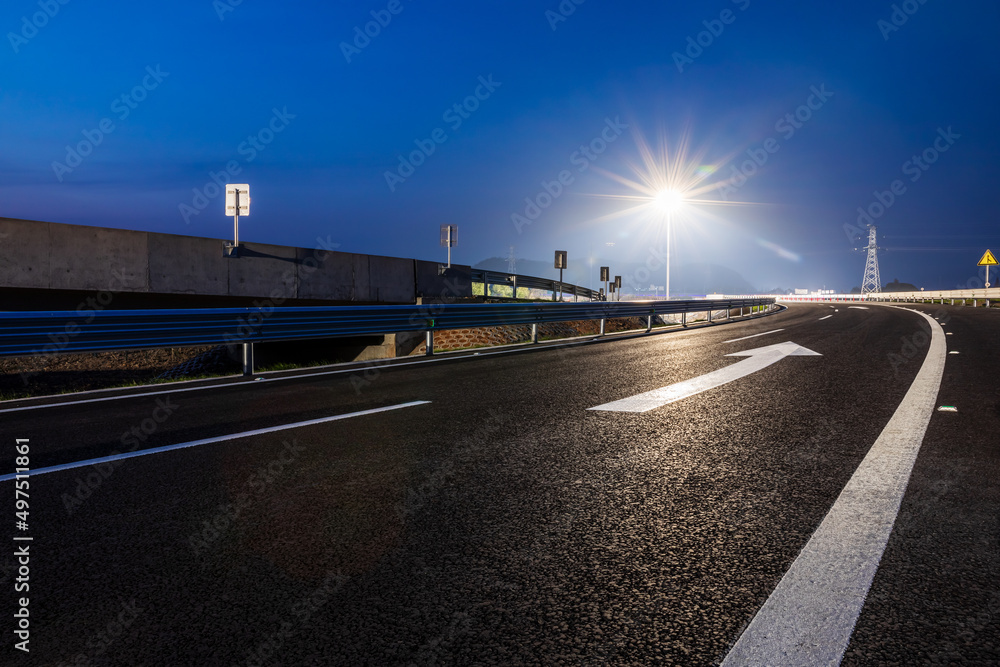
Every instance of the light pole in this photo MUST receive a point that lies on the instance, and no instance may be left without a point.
(668, 201)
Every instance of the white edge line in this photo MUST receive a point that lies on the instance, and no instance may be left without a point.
(810, 616)
(825, 318)
(736, 340)
(207, 441)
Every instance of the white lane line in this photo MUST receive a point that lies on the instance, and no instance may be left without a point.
(859, 307)
(825, 318)
(208, 441)
(760, 358)
(736, 340)
(809, 618)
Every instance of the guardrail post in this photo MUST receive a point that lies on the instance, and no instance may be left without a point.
(486, 284)
(729, 313)
(247, 358)
(430, 343)
(514, 279)
(534, 333)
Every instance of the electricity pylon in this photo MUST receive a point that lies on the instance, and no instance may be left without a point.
(871, 284)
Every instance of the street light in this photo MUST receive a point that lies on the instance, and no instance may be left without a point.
(668, 201)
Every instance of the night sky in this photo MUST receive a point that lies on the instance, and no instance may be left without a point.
(790, 116)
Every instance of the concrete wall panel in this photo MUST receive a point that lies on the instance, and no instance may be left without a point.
(187, 265)
(434, 286)
(265, 271)
(24, 253)
(326, 275)
(391, 279)
(77, 258)
(362, 279)
(95, 258)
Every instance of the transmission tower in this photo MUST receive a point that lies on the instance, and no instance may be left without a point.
(511, 261)
(871, 284)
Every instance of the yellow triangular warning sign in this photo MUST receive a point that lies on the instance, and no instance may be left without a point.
(988, 260)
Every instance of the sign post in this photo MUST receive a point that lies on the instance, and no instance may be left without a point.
(449, 237)
(237, 204)
(560, 264)
(605, 277)
(988, 260)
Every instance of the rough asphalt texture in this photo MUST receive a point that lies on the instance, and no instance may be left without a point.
(503, 523)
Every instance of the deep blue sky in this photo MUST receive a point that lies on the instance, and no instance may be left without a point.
(323, 175)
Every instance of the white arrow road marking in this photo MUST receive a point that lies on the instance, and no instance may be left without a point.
(810, 616)
(825, 318)
(208, 441)
(760, 358)
(736, 340)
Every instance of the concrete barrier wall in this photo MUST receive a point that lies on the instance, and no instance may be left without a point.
(53, 256)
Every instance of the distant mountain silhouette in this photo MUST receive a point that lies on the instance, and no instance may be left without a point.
(687, 279)
(896, 286)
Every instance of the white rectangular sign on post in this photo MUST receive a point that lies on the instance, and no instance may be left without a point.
(244, 190)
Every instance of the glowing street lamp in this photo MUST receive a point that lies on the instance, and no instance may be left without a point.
(668, 201)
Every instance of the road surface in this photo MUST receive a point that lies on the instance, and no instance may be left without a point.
(491, 509)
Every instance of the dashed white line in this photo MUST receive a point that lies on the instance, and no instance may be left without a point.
(825, 318)
(809, 618)
(207, 441)
(736, 340)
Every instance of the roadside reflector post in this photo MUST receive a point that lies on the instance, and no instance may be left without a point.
(729, 313)
(649, 323)
(247, 358)
(684, 319)
(709, 315)
(602, 326)
(430, 343)
(534, 333)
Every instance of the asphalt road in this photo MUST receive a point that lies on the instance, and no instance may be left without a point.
(498, 519)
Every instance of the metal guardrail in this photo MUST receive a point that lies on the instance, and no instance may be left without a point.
(515, 281)
(47, 333)
(991, 294)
